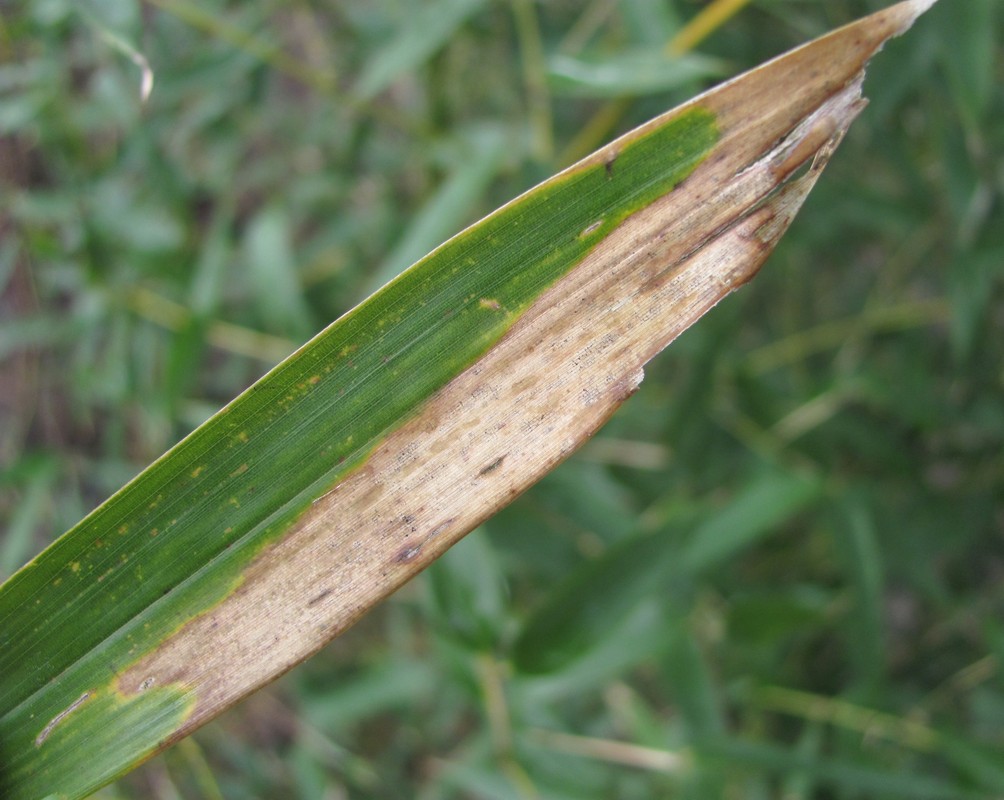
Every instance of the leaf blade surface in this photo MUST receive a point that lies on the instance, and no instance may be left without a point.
(361, 458)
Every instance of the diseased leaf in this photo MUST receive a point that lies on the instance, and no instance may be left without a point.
(366, 454)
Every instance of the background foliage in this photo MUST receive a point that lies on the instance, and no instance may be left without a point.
(776, 573)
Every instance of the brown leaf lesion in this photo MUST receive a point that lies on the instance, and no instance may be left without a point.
(491, 467)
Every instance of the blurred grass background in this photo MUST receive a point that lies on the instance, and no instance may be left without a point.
(777, 573)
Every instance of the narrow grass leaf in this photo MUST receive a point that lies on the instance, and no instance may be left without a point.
(36, 479)
(586, 607)
(693, 686)
(467, 591)
(856, 540)
(980, 761)
(449, 207)
(633, 73)
(844, 774)
(271, 267)
(583, 610)
(419, 37)
(970, 55)
(360, 459)
(759, 510)
(383, 689)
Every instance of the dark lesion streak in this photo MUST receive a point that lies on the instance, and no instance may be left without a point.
(491, 467)
(315, 600)
(407, 554)
(60, 717)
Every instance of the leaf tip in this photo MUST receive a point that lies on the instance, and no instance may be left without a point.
(920, 6)
(913, 9)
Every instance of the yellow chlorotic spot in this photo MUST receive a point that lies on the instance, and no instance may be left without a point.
(239, 471)
(154, 531)
(242, 436)
(75, 566)
(57, 581)
(349, 348)
(490, 303)
(123, 529)
(234, 502)
(198, 471)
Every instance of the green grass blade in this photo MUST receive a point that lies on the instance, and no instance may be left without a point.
(450, 206)
(858, 778)
(596, 598)
(767, 502)
(638, 73)
(418, 38)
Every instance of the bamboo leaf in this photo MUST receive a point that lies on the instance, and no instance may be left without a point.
(365, 455)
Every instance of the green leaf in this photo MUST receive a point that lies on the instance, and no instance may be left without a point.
(268, 255)
(596, 598)
(467, 593)
(36, 477)
(693, 684)
(852, 776)
(583, 609)
(634, 73)
(969, 54)
(856, 541)
(420, 35)
(764, 505)
(450, 206)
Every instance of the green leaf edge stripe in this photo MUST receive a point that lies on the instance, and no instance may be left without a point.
(313, 420)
